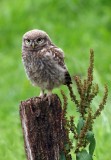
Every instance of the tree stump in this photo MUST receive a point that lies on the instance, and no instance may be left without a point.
(43, 129)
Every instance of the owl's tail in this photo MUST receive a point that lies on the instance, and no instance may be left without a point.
(68, 80)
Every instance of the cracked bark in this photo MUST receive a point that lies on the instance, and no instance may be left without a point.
(43, 129)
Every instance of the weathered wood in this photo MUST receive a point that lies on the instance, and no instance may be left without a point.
(43, 130)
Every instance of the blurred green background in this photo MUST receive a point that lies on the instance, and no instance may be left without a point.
(73, 25)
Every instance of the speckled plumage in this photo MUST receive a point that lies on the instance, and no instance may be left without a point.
(43, 61)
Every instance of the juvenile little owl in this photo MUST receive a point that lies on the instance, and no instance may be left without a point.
(43, 61)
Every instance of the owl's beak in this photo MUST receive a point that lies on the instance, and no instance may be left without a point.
(33, 45)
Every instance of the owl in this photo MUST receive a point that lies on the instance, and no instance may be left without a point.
(43, 61)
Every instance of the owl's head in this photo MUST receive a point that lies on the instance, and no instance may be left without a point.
(35, 39)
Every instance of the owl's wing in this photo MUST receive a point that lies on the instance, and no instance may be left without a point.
(58, 56)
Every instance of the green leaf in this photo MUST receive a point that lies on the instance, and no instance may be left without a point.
(89, 135)
(91, 139)
(83, 155)
(80, 125)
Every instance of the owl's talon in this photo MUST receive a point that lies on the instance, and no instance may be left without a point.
(48, 96)
(41, 95)
(49, 99)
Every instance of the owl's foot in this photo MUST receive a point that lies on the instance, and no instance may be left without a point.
(49, 96)
(49, 93)
(41, 95)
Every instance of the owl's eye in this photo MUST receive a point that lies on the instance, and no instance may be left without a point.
(27, 41)
(39, 40)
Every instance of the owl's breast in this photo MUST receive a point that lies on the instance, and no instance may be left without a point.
(43, 71)
(32, 63)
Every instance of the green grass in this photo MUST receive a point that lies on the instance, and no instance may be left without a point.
(75, 26)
